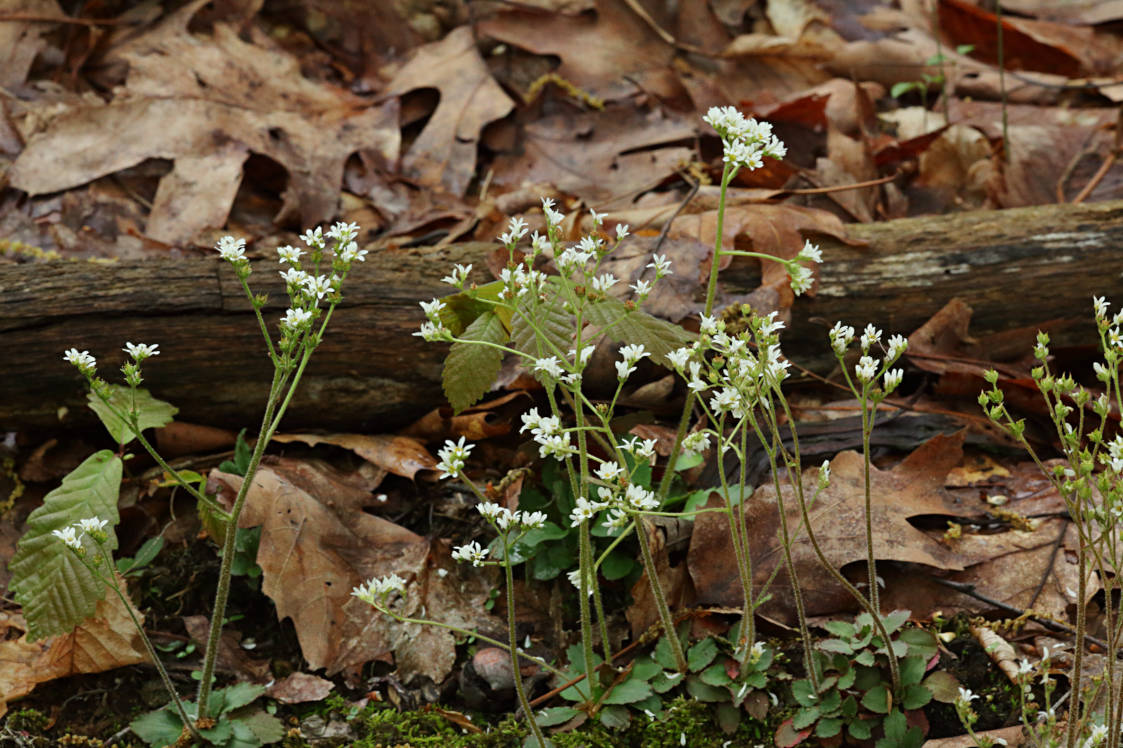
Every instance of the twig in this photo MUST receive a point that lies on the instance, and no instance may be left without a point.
(681, 206)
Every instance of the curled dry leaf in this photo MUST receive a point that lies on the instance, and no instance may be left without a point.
(400, 455)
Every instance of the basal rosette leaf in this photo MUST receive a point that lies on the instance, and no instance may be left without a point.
(470, 369)
(658, 336)
(56, 591)
(151, 413)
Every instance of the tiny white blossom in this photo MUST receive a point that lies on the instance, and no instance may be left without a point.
(432, 309)
(470, 553)
(553, 217)
(661, 264)
(352, 253)
(617, 519)
(641, 287)
(453, 456)
(516, 230)
(375, 591)
(313, 238)
(583, 511)
(697, 442)
(92, 524)
(897, 345)
(621, 232)
(294, 277)
(870, 336)
(548, 366)
(295, 318)
(841, 337)
(574, 578)
(608, 471)
(458, 276)
(965, 696)
(343, 232)
(709, 325)
(141, 351)
(603, 282)
(81, 359)
(289, 254)
(866, 369)
(489, 510)
(802, 278)
(893, 378)
(532, 520)
(431, 332)
(68, 535)
(231, 249)
(598, 218)
(810, 252)
(1099, 305)
(640, 499)
(679, 357)
(825, 474)
(318, 286)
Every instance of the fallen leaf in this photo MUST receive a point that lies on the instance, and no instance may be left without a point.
(914, 487)
(232, 657)
(400, 455)
(444, 154)
(22, 41)
(300, 688)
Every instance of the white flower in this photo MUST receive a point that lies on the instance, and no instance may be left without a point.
(583, 511)
(640, 447)
(630, 355)
(432, 309)
(548, 366)
(231, 249)
(608, 471)
(318, 286)
(289, 254)
(679, 357)
(555, 445)
(294, 319)
(1102, 372)
(771, 324)
(313, 238)
(431, 332)
(841, 337)
(802, 278)
(92, 524)
(453, 456)
(709, 325)
(1097, 735)
(553, 217)
(458, 276)
(343, 232)
(661, 264)
(83, 360)
(825, 474)
(141, 351)
(640, 499)
(641, 287)
(866, 369)
(532, 520)
(68, 535)
(516, 230)
(1099, 304)
(893, 378)
(965, 697)
(617, 519)
(603, 282)
(574, 578)
(375, 591)
(471, 553)
(572, 259)
(810, 252)
(352, 253)
(489, 510)
(897, 345)
(697, 442)
(539, 243)
(294, 277)
(586, 354)
(621, 232)
(743, 155)
(870, 336)
(598, 218)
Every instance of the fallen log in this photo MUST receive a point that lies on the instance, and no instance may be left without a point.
(1015, 268)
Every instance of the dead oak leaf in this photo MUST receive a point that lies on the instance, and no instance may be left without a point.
(205, 103)
(444, 154)
(914, 487)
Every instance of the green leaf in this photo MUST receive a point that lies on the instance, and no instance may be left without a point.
(805, 717)
(915, 696)
(841, 629)
(898, 734)
(145, 555)
(664, 681)
(836, 645)
(901, 88)
(645, 668)
(943, 686)
(877, 699)
(705, 692)
(921, 642)
(242, 454)
(865, 657)
(56, 591)
(663, 654)
(728, 718)
(555, 325)
(150, 412)
(895, 620)
(555, 715)
(628, 692)
(159, 729)
(804, 693)
(659, 337)
(911, 670)
(860, 729)
(701, 654)
(617, 566)
(715, 675)
(470, 368)
(828, 727)
(238, 695)
(615, 717)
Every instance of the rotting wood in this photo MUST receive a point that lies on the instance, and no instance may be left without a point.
(1015, 268)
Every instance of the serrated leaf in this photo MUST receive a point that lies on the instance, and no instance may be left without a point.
(159, 729)
(943, 686)
(470, 369)
(877, 699)
(705, 692)
(555, 326)
(805, 717)
(895, 620)
(715, 675)
(659, 337)
(915, 696)
(56, 591)
(701, 654)
(150, 412)
(628, 692)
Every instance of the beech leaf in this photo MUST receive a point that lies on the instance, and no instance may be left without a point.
(470, 369)
(150, 412)
(658, 336)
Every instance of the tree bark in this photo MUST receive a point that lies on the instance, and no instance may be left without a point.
(1014, 267)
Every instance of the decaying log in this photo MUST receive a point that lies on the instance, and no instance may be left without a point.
(1015, 268)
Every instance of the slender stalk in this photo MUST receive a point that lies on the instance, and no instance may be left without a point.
(871, 561)
(514, 647)
(660, 599)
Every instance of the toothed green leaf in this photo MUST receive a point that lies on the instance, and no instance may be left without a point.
(658, 336)
(56, 591)
(151, 413)
(470, 369)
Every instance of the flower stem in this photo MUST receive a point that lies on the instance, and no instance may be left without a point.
(514, 648)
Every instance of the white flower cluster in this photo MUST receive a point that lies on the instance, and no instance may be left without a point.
(507, 520)
(868, 368)
(85, 363)
(617, 494)
(745, 140)
(802, 277)
(745, 377)
(376, 591)
(1111, 332)
(470, 553)
(547, 431)
(453, 456)
(630, 355)
(71, 535)
(141, 351)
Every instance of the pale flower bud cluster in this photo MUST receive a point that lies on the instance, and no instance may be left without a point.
(552, 440)
(629, 356)
(72, 535)
(868, 368)
(377, 591)
(745, 140)
(453, 456)
(506, 520)
(470, 553)
(802, 276)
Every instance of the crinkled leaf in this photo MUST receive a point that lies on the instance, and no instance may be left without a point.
(150, 412)
(460, 310)
(805, 717)
(56, 591)
(555, 327)
(705, 692)
(659, 337)
(470, 368)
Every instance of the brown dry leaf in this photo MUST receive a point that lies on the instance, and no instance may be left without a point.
(914, 487)
(232, 657)
(485, 420)
(317, 545)
(444, 154)
(22, 41)
(610, 54)
(108, 640)
(206, 103)
(602, 157)
(400, 455)
(299, 688)
(674, 580)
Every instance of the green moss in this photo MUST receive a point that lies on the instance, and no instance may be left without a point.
(28, 720)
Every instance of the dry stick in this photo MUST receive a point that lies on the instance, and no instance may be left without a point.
(969, 589)
(1106, 165)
